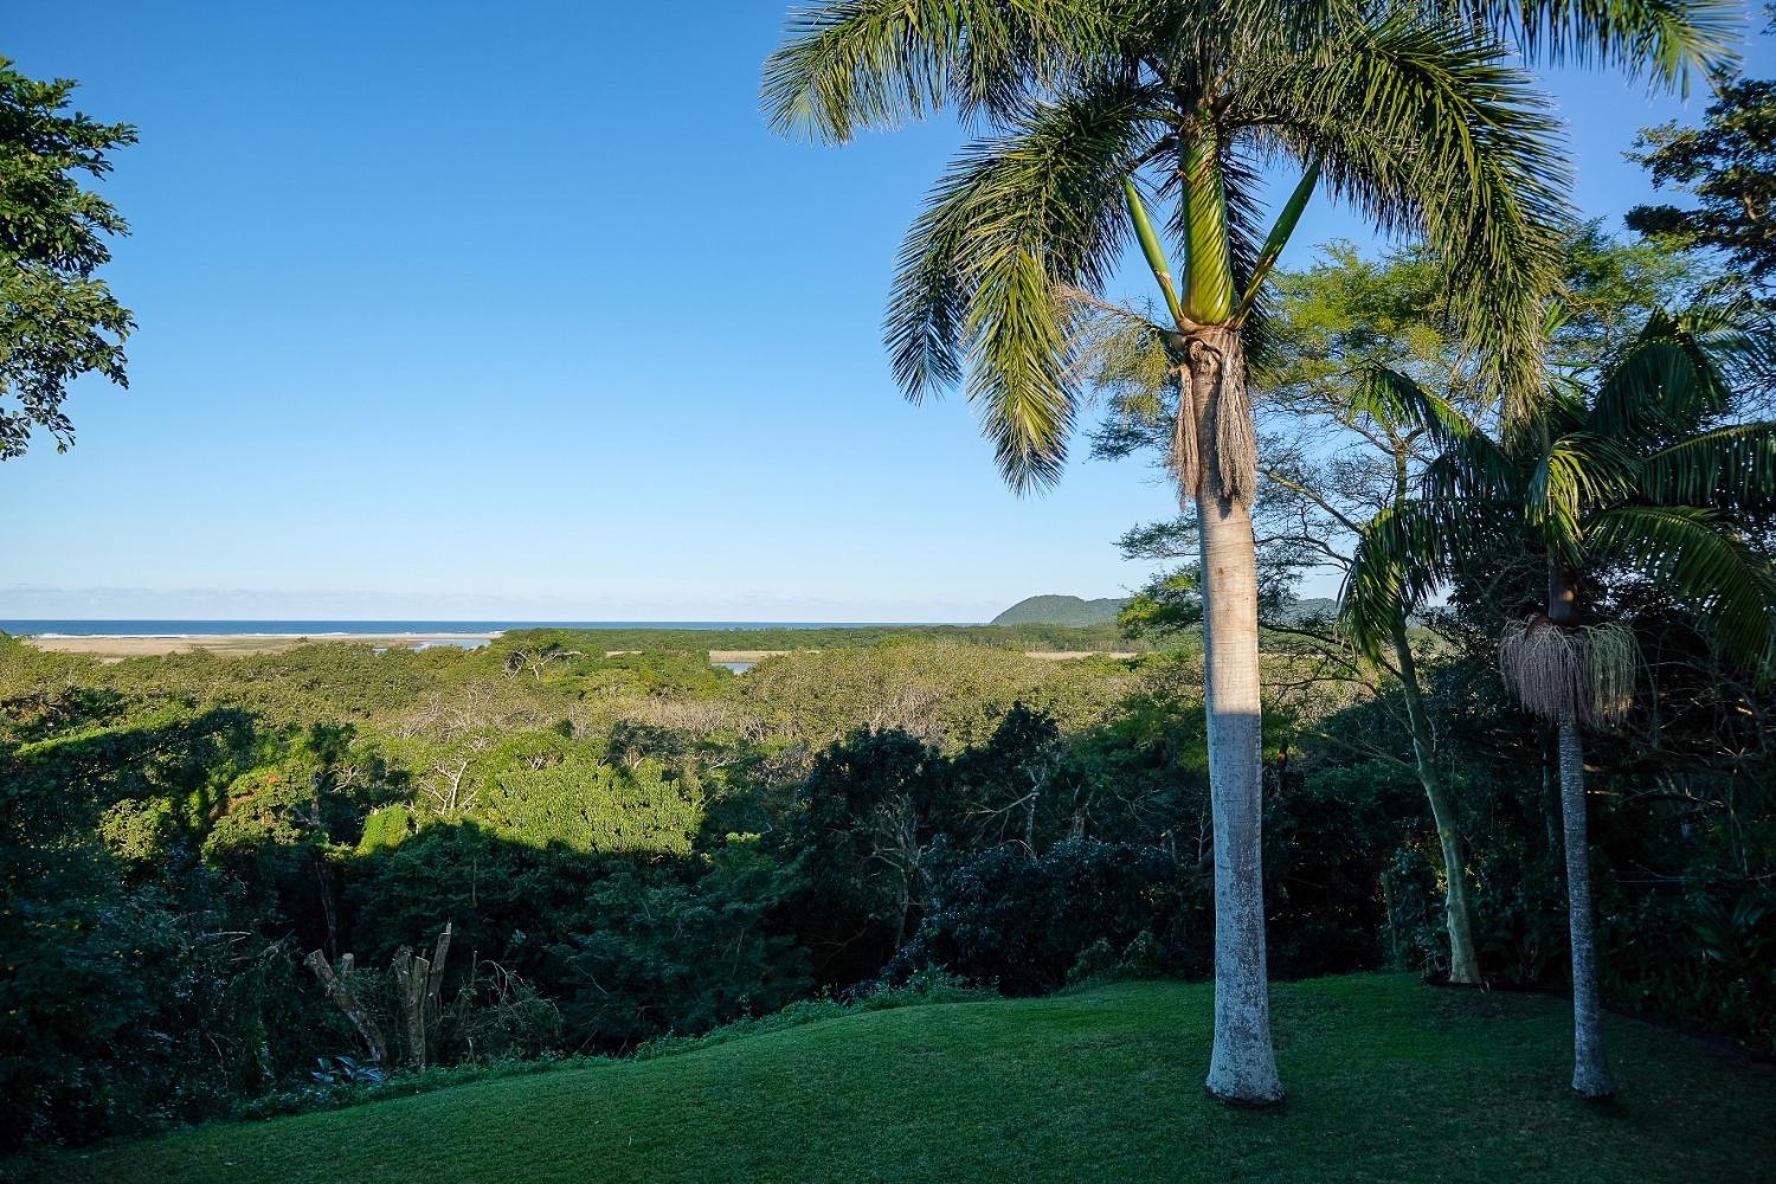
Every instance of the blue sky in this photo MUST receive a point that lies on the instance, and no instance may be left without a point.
(519, 310)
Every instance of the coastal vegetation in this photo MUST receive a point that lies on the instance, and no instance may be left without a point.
(628, 846)
(997, 901)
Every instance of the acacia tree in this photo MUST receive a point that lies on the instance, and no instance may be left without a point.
(1642, 473)
(1410, 113)
(57, 321)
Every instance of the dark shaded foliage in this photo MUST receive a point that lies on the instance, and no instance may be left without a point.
(1021, 923)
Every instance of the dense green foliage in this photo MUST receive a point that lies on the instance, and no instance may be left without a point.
(1023, 635)
(616, 842)
(1394, 1082)
(632, 845)
(624, 846)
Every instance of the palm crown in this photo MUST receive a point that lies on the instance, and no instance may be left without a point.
(1412, 113)
(1637, 471)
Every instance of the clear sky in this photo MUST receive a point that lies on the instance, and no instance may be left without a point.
(519, 310)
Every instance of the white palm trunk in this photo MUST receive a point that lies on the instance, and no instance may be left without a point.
(1242, 1066)
(1591, 1074)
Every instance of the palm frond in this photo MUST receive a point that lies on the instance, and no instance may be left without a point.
(1394, 399)
(1729, 468)
(851, 65)
(1739, 334)
(1473, 467)
(927, 307)
(1697, 554)
(1280, 232)
(1453, 143)
(1668, 39)
(1575, 474)
(1400, 559)
(1153, 250)
(1020, 374)
(982, 287)
(1666, 379)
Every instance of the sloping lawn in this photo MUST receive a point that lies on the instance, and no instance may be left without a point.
(1389, 1081)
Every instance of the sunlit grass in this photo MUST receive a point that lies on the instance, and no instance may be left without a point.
(1389, 1080)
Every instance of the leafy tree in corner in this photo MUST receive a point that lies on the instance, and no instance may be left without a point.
(57, 321)
(1729, 166)
(1411, 112)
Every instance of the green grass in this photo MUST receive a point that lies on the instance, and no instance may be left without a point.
(1389, 1080)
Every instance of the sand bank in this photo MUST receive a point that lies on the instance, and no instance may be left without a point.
(237, 643)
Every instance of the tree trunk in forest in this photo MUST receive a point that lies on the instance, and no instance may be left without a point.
(338, 988)
(1242, 1067)
(1591, 1075)
(1464, 966)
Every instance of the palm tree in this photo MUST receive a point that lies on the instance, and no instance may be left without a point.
(1640, 474)
(1336, 459)
(1410, 112)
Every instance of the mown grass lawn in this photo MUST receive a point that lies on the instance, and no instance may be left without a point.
(1389, 1080)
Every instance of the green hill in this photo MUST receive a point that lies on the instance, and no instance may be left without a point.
(1390, 1080)
(1060, 610)
(1297, 611)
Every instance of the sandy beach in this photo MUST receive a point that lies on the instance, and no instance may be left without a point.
(113, 648)
(234, 644)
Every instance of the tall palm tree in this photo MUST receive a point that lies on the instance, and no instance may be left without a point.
(1637, 474)
(1409, 112)
(1338, 457)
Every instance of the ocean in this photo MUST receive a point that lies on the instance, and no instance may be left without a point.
(173, 628)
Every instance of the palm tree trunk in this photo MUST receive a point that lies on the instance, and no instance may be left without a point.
(1242, 1067)
(1464, 967)
(1591, 1074)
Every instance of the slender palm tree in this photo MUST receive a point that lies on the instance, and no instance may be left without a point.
(1639, 474)
(1409, 112)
